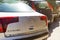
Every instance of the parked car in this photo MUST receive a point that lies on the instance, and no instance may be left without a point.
(18, 20)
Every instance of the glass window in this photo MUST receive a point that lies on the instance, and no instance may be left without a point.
(15, 6)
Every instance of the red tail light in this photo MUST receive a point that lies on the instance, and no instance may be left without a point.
(1, 29)
(44, 18)
(5, 21)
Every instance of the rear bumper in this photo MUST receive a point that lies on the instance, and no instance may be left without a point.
(38, 37)
(41, 35)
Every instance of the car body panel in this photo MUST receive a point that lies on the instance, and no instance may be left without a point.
(26, 25)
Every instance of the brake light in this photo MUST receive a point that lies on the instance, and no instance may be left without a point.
(1, 29)
(44, 18)
(4, 21)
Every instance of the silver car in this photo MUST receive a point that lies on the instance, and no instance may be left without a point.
(18, 20)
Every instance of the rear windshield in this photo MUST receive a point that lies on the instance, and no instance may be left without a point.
(14, 7)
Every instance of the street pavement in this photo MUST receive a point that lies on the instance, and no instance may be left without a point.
(54, 30)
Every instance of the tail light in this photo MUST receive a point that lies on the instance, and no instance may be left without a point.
(4, 21)
(1, 29)
(44, 18)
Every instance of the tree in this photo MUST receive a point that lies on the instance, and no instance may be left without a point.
(52, 5)
(1, 1)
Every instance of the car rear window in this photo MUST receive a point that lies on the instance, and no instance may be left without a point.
(15, 7)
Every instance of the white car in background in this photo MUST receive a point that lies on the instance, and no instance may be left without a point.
(18, 20)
